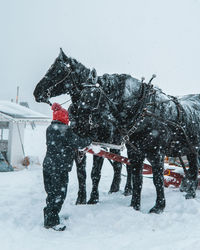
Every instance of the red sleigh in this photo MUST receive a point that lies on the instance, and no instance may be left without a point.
(173, 173)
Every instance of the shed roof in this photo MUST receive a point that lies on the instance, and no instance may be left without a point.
(16, 112)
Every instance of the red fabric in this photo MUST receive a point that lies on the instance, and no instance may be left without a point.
(59, 113)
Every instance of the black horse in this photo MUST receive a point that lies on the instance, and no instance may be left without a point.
(71, 74)
(152, 123)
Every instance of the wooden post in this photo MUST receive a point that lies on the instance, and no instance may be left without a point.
(17, 97)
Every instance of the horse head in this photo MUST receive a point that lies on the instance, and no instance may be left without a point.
(65, 76)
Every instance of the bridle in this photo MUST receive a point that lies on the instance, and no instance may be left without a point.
(55, 85)
(59, 82)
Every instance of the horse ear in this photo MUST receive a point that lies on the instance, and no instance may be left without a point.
(62, 55)
(94, 76)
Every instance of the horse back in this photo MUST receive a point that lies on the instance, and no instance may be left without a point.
(191, 115)
(190, 101)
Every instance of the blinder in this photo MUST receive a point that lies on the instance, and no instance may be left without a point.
(91, 96)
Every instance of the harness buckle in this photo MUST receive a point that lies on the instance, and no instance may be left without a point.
(132, 130)
(126, 138)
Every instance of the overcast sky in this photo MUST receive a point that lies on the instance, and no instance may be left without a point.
(138, 37)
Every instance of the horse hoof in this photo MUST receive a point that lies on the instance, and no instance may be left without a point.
(80, 201)
(156, 210)
(190, 196)
(92, 201)
(94, 198)
(128, 192)
(114, 189)
(135, 206)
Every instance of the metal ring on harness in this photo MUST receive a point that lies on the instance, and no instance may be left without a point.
(90, 120)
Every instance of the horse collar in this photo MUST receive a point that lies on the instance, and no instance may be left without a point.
(146, 91)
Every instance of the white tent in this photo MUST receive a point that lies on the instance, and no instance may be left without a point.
(13, 119)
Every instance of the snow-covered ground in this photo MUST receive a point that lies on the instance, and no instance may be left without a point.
(111, 224)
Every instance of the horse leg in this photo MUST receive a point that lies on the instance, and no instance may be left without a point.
(95, 175)
(81, 174)
(137, 178)
(191, 180)
(128, 187)
(157, 163)
(117, 167)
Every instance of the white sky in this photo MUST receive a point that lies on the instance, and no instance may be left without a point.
(138, 37)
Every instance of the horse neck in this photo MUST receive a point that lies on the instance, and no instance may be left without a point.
(84, 75)
(81, 73)
(77, 80)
